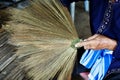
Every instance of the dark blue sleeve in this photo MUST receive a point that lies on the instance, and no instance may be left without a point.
(67, 2)
(116, 29)
(116, 52)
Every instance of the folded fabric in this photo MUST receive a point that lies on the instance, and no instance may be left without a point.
(98, 61)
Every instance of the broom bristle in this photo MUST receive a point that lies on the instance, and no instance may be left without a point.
(4, 17)
(43, 33)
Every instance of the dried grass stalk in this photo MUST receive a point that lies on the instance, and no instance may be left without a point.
(4, 17)
(43, 33)
(9, 69)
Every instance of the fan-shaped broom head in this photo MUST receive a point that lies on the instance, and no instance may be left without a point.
(44, 33)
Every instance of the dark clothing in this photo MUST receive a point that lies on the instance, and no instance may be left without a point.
(78, 67)
(97, 10)
(67, 2)
(113, 75)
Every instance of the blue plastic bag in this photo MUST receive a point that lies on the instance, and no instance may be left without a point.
(98, 61)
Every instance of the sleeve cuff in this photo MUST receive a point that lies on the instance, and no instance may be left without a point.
(116, 52)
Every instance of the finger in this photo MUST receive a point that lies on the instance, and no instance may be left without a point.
(86, 47)
(78, 45)
(83, 43)
(92, 37)
(89, 46)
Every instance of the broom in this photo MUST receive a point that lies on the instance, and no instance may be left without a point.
(9, 69)
(45, 36)
(4, 17)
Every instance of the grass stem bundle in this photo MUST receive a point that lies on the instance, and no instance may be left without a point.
(43, 34)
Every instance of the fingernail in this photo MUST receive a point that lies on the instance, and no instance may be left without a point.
(85, 40)
(76, 45)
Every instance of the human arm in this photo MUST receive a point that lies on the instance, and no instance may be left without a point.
(97, 42)
(115, 30)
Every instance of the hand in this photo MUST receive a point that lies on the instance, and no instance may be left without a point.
(98, 41)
